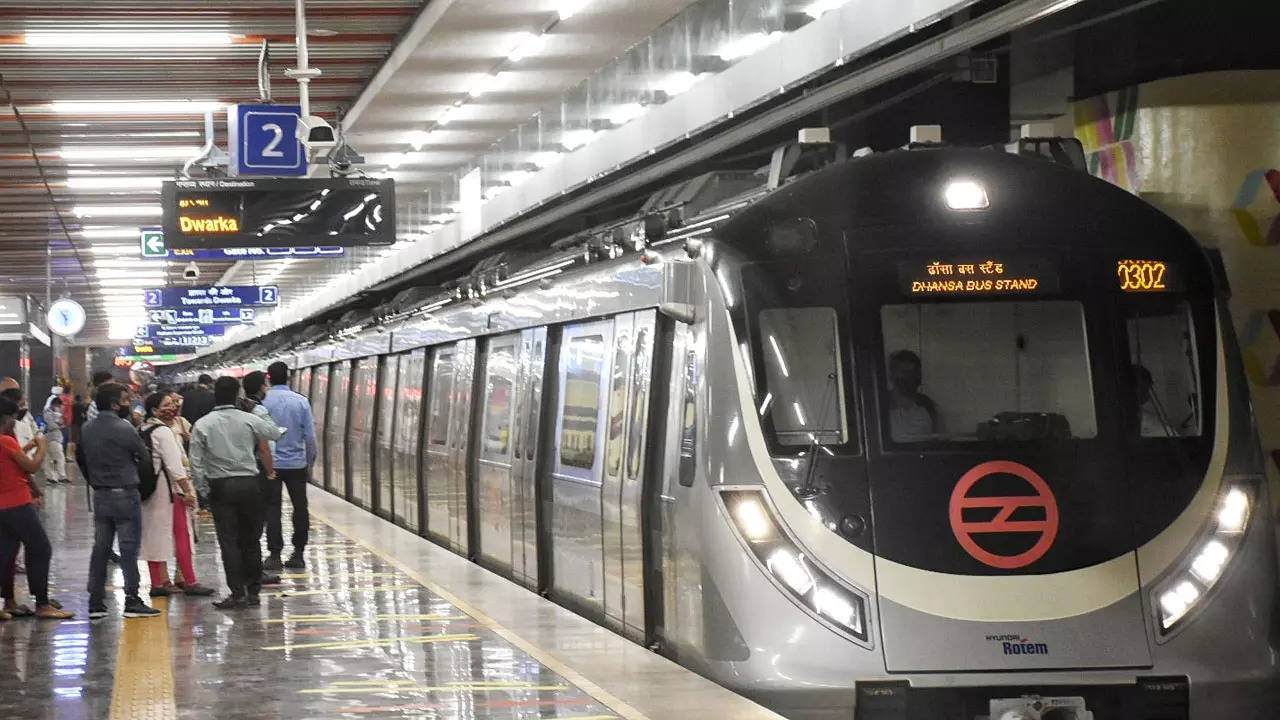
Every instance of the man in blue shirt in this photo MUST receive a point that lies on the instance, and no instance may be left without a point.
(294, 454)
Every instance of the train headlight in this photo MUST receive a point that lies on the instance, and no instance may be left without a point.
(815, 590)
(966, 195)
(1184, 590)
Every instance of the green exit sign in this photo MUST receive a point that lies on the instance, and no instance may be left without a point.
(152, 242)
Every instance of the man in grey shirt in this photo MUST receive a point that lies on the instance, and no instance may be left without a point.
(112, 451)
(223, 461)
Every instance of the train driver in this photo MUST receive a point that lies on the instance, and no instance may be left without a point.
(913, 416)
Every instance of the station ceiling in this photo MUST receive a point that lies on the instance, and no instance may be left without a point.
(113, 92)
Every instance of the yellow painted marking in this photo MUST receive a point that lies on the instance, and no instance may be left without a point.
(354, 618)
(334, 591)
(143, 687)
(357, 683)
(340, 556)
(605, 697)
(352, 546)
(295, 576)
(380, 642)
(396, 687)
(355, 576)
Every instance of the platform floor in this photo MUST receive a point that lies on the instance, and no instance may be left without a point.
(381, 624)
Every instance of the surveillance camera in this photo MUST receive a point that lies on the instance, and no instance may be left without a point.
(316, 134)
(191, 272)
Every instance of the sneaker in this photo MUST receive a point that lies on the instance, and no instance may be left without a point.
(269, 579)
(295, 562)
(253, 601)
(135, 608)
(272, 563)
(197, 589)
(114, 557)
(231, 602)
(97, 613)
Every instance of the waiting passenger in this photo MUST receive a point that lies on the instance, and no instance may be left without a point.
(109, 454)
(255, 389)
(25, 429)
(19, 521)
(913, 415)
(222, 460)
(1152, 419)
(55, 466)
(295, 453)
(165, 530)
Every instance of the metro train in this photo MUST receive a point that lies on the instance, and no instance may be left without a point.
(946, 433)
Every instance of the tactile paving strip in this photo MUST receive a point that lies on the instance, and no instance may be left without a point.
(144, 670)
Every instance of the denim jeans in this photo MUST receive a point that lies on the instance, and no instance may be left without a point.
(117, 512)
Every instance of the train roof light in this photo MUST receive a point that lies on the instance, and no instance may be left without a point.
(966, 195)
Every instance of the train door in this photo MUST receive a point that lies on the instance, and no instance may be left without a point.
(574, 515)
(364, 393)
(407, 440)
(336, 479)
(448, 430)
(319, 406)
(384, 434)
(524, 470)
(494, 453)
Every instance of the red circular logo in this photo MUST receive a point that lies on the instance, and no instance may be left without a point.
(965, 530)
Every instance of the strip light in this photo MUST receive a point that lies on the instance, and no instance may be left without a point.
(574, 139)
(127, 39)
(133, 107)
(526, 44)
(116, 210)
(127, 152)
(746, 45)
(106, 183)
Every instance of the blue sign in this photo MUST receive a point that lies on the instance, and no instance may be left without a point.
(163, 331)
(212, 297)
(152, 245)
(262, 140)
(180, 341)
(203, 316)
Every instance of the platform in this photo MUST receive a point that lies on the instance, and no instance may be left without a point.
(381, 624)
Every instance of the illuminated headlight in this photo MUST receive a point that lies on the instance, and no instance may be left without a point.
(817, 592)
(966, 195)
(1185, 589)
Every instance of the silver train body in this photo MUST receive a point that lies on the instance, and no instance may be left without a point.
(595, 431)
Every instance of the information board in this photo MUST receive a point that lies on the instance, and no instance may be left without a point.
(212, 296)
(278, 212)
(202, 316)
(157, 331)
(151, 240)
(995, 275)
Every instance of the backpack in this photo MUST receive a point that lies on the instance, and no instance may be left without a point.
(147, 478)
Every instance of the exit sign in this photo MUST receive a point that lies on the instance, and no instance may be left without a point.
(152, 241)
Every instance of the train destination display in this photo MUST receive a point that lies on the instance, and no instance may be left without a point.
(277, 212)
(971, 276)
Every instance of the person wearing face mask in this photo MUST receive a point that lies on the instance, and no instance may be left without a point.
(110, 452)
(19, 521)
(24, 427)
(165, 532)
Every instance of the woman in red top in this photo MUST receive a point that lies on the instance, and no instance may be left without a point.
(19, 522)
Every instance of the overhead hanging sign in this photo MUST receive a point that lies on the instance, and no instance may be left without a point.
(263, 140)
(213, 296)
(147, 350)
(153, 248)
(278, 212)
(160, 331)
(202, 316)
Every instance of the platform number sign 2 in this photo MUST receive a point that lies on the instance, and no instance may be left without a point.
(263, 140)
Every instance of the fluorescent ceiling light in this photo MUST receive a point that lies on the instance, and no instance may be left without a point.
(568, 8)
(119, 262)
(127, 39)
(746, 45)
(131, 282)
(486, 83)
(543, 159)
(127, 152)
(111, 233)
(115, 210)
(392, 164)
(518, 176)
(114, 249)
(677, 82)
(91, 182)
(418, 139)
(447, 116)
(623, 114)
(104, 135)
(134, 107)
(817, 9)
(574, 139)
(526, 44)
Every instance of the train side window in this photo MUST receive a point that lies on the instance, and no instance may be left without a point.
(1165, 371)
(441, 395)
(497, 417)
(617, 409)
(639, 403)
(580, 406)
(689, 419)
(804, 383)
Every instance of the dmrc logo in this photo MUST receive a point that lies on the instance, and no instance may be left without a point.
(1251, 219)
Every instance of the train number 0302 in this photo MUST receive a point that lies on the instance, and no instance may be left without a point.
(1141, 275)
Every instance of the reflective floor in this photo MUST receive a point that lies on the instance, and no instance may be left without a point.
(352, 636)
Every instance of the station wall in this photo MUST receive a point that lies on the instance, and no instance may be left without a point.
(1205, 148)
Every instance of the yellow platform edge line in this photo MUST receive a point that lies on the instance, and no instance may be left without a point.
(142, 685)
(603, 696)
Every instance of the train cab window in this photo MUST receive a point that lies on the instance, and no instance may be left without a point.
(804, 383)
(986, 371)
(1165, 370)
(580, 407)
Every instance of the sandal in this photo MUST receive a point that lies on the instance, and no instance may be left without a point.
(49, 612)
(19, 611)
